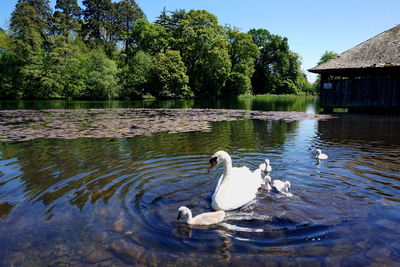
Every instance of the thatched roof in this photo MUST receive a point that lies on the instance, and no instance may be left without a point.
(380, 51)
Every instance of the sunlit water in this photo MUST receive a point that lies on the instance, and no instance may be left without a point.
(114, 201)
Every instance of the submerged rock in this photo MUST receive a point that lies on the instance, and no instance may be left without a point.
(97, 256)
(127, 251)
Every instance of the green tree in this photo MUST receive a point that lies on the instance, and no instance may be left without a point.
(135, 76)
(66, 72)
(328, 55)
(101, 76)
(127, 14)
(67, 17)
(243, 52)
(168, 76)
(149, 37)
(171, 22)
(99, 28)
(30, 25)
(8, 71)
(277, 70)
(292, 78)
(5, 41)
(34, 14)
(204, 50)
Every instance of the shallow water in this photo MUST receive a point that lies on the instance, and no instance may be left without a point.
(114, 201)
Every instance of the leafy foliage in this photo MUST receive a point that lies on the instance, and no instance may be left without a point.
(127, 14)
(277, 70)
(168, 74)
(327, 56)
(204, 49)
(148, 37)
(243, 51)
(67, 17)
(107, 49)
(67, 70)
(324, 58)
(100, 76)
(135, 76)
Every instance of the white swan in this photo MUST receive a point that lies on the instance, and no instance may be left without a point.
(321, 155)
(237, 186)
(282, 187)
(206, 218)
(266, 166)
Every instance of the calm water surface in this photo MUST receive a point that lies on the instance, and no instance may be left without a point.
(113, 202)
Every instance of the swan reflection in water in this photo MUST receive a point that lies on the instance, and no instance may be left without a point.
(226, 230)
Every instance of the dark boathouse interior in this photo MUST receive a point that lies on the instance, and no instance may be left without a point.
(364, 78)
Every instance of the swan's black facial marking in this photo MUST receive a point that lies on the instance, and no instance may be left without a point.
(213, 162)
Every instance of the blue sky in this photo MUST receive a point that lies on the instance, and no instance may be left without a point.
(311, 26)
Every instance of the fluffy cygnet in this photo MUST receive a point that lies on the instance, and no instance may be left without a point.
(268, 180)
(282, 187)
(321, 155)
(206, 218)
(266, 167)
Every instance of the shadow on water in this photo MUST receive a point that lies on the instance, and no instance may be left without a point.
(114, 201)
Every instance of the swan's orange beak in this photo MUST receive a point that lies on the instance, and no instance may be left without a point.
(213, 162)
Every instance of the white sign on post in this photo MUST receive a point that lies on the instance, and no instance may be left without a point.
(327, 85)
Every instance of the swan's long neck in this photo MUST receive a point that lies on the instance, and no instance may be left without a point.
(227, 162)
(189, 216)
(227, 166)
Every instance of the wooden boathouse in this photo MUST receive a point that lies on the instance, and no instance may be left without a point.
(366, 77)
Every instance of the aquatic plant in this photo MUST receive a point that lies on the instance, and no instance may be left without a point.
(23, 125)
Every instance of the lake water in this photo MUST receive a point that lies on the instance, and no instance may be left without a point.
(114, 201)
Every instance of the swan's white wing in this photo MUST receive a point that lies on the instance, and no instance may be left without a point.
(209, 218)
(241, 189)
(278, 185)
(218, 184)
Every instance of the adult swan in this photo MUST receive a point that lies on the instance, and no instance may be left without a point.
(237, 186)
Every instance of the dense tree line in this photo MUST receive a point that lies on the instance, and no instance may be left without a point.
(109, 50)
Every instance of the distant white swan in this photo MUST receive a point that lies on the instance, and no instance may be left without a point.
(321, 155)
(237, 186)
(266, 166)
(282, 187)
(206, 218)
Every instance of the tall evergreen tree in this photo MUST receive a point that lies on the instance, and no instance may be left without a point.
(171, 22)
(67, 17)
(30, 25)
(127, 14)
(96, 18)
(31, 13)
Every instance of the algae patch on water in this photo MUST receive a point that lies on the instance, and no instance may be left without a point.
(23, 125)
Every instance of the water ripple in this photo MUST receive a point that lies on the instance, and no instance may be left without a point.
(120, 197)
